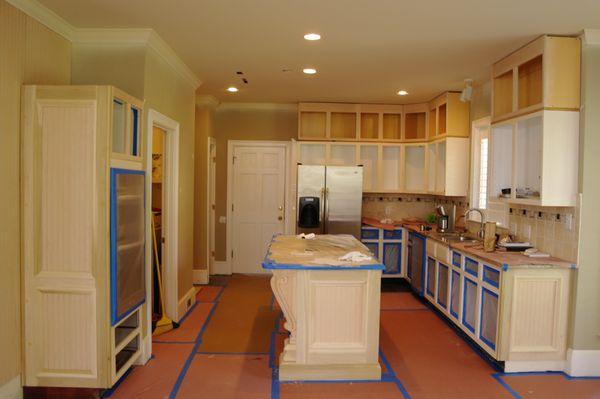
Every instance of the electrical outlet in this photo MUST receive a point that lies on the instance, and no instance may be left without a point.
(569, 221)
(223, 219)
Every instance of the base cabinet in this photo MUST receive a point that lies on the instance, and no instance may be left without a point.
(387, 246)
(518, 314)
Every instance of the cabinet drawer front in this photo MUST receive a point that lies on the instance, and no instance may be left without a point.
(369, 234)
(471, 266)
(489, 318)
(442, 252)
(491, 276)
(392, 234)
(469, 304)
(456, 259)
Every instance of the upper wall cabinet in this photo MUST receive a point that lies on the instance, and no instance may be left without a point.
(534, 159)
(444, 116)
(448, 116)
(545, 74)
(126, 129)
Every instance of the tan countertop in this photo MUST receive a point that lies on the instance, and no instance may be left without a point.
(500, 257)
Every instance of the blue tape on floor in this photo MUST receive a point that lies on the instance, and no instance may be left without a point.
(234, 353)
(498, 377)
(392, 375)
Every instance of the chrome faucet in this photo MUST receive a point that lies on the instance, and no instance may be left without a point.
(481, 227)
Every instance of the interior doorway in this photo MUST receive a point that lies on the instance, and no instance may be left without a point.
(212, 175)
(156, 206)
(162, 188)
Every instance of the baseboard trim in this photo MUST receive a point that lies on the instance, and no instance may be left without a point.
(146, 352)
(12, 389)
(583, 363)
(200, 276)
(220, 267)
(523, 366)
(185, 303)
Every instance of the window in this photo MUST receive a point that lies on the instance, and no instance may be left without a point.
(479, 166)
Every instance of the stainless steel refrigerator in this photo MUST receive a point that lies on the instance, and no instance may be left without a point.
(329, 199)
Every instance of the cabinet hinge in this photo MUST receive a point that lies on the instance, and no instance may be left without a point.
(231, 207)
(233, 161)
(212, 207)
(231, 254)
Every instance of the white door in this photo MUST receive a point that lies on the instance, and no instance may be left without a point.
(258, 203)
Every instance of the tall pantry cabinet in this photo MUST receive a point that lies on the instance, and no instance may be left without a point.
(83, 218)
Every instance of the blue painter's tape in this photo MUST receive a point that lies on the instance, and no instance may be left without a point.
(115, 317)
(573, 266)
(484, 292)
(504, 267)
(498, 377)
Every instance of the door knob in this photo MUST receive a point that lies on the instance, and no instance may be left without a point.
(280, 218)
(280, 208)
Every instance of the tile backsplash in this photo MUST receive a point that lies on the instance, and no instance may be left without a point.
(550, 229)
(554, 230)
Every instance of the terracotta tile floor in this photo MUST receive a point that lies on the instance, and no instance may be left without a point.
(218, 355)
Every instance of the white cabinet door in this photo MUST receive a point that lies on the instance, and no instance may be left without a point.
(59, 216)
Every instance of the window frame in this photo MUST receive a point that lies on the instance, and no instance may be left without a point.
(480, 129)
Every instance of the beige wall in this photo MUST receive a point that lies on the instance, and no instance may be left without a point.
(169, 94)
(245, 122)
(585, 332)
(123, 67)
(143, 73)
(29, 54)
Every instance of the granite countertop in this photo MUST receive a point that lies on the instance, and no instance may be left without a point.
(500, 257)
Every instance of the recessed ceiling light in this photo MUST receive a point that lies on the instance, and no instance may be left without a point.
(309, 71)
(312, 36)
(232, 89)
(402, 93)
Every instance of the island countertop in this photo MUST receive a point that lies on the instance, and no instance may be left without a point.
(323, 252)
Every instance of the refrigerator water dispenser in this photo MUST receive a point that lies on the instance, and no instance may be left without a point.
(308, 212)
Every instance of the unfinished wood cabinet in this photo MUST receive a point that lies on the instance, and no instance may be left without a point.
(79, 330)
(448, 116)
(544, 74)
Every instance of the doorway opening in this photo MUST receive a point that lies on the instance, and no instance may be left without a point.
(210, 233)
(162, 188)
(156, 205)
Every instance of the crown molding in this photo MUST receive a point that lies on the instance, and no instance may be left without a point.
(259, 106)
(45, 16)
(207, 100)
(108, 37)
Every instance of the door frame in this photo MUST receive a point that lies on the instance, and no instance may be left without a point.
(211, 175)
(170, 219)
(231, 145)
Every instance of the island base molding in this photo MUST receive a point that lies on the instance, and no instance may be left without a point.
(329, 372)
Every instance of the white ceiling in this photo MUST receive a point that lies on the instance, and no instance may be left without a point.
(370, 48)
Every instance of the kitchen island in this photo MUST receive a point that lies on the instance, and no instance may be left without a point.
(330, 305)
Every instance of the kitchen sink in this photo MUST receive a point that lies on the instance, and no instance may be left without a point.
(457, 237)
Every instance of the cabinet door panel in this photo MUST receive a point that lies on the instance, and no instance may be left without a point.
(489, 317)
(392, 256)
(469, 304)
(442, 293)
(455, 294)
(430, 277)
